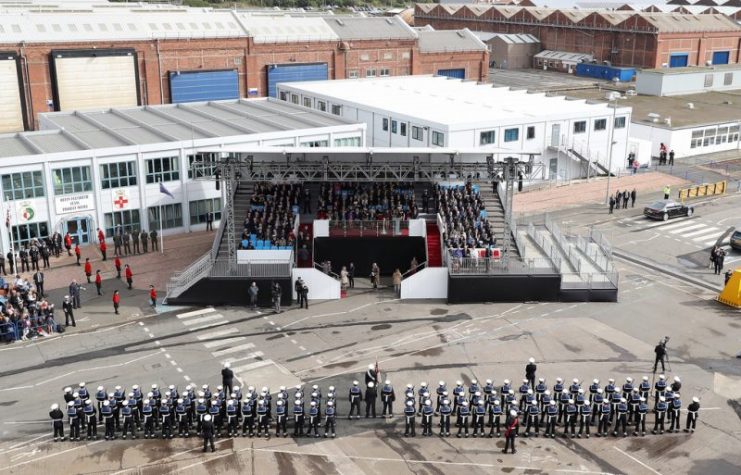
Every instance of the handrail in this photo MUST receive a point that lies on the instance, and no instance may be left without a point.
(218, 238)
(415, 270)
(318, 267)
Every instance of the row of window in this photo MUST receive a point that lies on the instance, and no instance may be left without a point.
(727, 79)
(25, 185)
(130, 220)
(714, 136)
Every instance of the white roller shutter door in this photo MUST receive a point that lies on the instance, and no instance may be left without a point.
(96, 82)
(11, 108)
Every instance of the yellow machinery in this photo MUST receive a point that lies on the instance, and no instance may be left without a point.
(731, 294)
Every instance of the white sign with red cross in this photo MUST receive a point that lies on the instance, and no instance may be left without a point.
(120, 199)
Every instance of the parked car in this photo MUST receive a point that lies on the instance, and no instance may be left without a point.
(666, 209)
(736, 238)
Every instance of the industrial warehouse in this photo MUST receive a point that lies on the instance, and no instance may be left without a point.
(127, 55)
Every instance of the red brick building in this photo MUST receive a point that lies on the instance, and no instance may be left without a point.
(625, 38)
(164, 44)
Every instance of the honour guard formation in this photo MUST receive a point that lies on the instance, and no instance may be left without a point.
(579, 409)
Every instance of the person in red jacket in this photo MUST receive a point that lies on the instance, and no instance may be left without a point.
(88, 269)
(101, 236)
(98, 281)
(68, 243)
(117, 263)
(152, 296)
(116, 301)
(78, 253)
(103, 249)
(129, 276)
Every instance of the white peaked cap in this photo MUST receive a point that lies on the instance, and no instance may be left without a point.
(370, 366)
(513, 413)
(207, 417)
(695, 399)
(54, 407)
(227, 364)
(532, 360)
(388, 381)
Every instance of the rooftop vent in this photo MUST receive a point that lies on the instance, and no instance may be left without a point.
(690, 105)
(654, 117)
(460, 33)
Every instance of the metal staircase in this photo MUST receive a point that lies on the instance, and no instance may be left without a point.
(495, 215)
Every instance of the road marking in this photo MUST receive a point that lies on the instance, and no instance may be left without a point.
(251, 366)
(196, 313)
(234, 349)
(200, 320)
(151, 335)
(685, 227)
(208, 325)
(141, 324)
(251, 356)
(217, 333)
(228, 341)
(180, 370)
(50, 455)
(187, 378)
(302, 348)
(271, 322)
(705, 236)
(167, 356)
(637, 461)
(157, 343)
(172, 362)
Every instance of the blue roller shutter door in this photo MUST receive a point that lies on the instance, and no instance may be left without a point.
(721, 57)
(452, 73)
(678, 60)
(195, 86)
(278, 73)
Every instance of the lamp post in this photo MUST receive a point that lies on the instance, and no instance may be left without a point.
(613, 98)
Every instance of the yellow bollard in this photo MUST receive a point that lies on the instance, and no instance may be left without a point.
(731, 294)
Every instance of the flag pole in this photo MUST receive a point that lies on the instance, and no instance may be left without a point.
(162, 237)
(9, 225)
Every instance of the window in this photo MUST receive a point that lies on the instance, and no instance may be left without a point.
(24, 233)
(370, 72)
(307, 102)
(336, 109)
(417, 133)
(384, 72)
(438, 138)
(388, 55)
(127, 220)
(172, 216)
(347, 142)
(511, 135)
(600, 124)
(580, 127)
(19, 186)
(353, 74)
(315, 143)
(403, 129)
(619, 122)
(394, 126)
(200, 209)
(531, 132)
(727, 79)
(405, 55)
(117, 175)
(205, 169)
(71, 180)
(487, 137)
(708, 80)
(294, 98)
(162, 169)
(385, 125)
(364, 57)
(321, 105)
(283, 96)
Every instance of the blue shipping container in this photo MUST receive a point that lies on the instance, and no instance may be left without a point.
(194, 86)
(295, 73)
(607, 73)
(452, 73)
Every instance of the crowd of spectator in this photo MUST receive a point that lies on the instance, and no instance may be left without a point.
(464, 214)
(359, 201)
(24, 312)
(271, 215)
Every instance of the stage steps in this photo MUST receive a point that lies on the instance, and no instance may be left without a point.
(495, 214)
(434, 246)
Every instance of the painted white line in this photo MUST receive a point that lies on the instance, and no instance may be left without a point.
(157, 343)
(145, 329)
(227, 341)
(302, 348)
(187, 378)
(637, 461)
(141, 324)
(179, 370)
(217, 333)
(172, 362)
(687, 227)
(150, 335)
(208, 325)
(251, 356)
(706, 237)
(50, 455)
(15, 388)
(705, 230)
(256, 364)
(67, 335)
(271, 322)
(167, 355)
(199, 320)
(294, 342)
(196, 313)
(235, 349)
(181, 469)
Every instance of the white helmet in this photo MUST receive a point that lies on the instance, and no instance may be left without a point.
(524, 381)
(136, 386)
(101, 388)
(513, 413)
(423, 384)
(125, 403)
(695, 399)
(595, 381)
(330, 403)
(576, 380)
(354, 383)
(88, 401)
(410, 403)
(532, 360)
(316, 386)
(459, 383)
(75, 394)
(227, 364)
(529, 391)
(629, 379)
(180, 401)
(71, 404)
(506, 381)
(154, 386)
(82, 385)
(488, 381)
(370, 384)
(207, 417)
(441, 383)
(427, 402)
(676, 378)
(68, 390)
(388, 381)
(313, 403)
(54, 407)
(370, 366)
(146, 401)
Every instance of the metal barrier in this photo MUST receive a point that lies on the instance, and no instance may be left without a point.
(221, 268)
(485, 266)
(705, 189)
(385, 227)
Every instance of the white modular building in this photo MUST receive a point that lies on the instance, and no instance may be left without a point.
(434, 111)
(104, 169)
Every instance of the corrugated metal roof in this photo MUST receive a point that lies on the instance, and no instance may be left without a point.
(355, 28)
(70, 131)
(283, 29)
(564, 56)
(449, 40)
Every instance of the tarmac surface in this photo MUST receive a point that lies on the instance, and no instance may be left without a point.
(332, 343)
